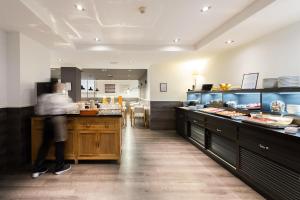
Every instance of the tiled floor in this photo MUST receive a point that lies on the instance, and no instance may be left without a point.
(155, 165)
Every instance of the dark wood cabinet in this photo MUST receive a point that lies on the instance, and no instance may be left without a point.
(266, 159)
(181, 123)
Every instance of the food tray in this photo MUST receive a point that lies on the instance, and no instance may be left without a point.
(269, 125)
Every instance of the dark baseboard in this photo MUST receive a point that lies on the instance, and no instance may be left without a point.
(162, 115)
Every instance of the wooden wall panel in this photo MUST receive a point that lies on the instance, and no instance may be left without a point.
(162, 115)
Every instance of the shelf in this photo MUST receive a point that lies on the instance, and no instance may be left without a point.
(275, 90)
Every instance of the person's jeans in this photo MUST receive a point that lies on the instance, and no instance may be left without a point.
(48, 136)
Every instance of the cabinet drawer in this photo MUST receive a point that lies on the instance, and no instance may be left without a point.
(196, 118)
(38, 124)
(276, 148)
(222, 127)
(285, 152)
(253, 141)
(91, 124)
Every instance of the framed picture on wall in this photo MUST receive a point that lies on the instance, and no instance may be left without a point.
(110, 88)
(250, 81)
(163, 87)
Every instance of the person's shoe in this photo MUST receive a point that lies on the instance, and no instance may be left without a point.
(37, 173)
(62, 169)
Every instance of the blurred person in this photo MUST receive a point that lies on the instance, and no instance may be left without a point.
(53, 107)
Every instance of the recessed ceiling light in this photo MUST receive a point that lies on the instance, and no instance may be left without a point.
(229, 42)
(176, 40)
(205, 8)
(97, 39)
(79, 7)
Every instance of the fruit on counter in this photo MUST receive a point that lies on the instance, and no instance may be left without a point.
(225, 86)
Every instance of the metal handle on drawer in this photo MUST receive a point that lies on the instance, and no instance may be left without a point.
(87, 125)
(218, 130)
(263, 147)
(195, 121)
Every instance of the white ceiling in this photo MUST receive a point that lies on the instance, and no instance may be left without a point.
(136, 40)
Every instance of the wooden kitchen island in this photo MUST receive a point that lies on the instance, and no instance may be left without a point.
(89, 138)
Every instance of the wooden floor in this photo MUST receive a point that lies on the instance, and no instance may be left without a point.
(155, 165)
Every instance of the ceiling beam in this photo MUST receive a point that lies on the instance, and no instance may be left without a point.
(232, 22)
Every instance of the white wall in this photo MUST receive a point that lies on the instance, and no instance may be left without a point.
(144, 87)
(28, 62)
(120, 88)
(177, 79)
(3, 68)
(274, 55)
(13, 70)
(34, 67)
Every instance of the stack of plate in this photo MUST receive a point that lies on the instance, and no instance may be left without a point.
(270, 83)
(289, 81)
(293, 109)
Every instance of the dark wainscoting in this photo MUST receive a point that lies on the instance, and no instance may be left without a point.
(3, 137)
(162, 115)
(17, 137)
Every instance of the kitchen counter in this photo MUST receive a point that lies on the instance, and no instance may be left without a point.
(78, 115)
(275, 130)
(265, 158)
(95, 137)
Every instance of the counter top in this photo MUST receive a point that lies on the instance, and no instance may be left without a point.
(78, 115)
(278, 131)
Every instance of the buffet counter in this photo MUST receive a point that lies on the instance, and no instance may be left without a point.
(267, 159)
(95, 137)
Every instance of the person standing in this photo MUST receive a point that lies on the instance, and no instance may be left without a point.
(53, 107)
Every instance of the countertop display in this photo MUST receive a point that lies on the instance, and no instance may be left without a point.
(284, 101)
(241, 121)
(89, 137)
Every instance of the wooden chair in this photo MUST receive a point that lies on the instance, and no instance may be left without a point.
(139, 112)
